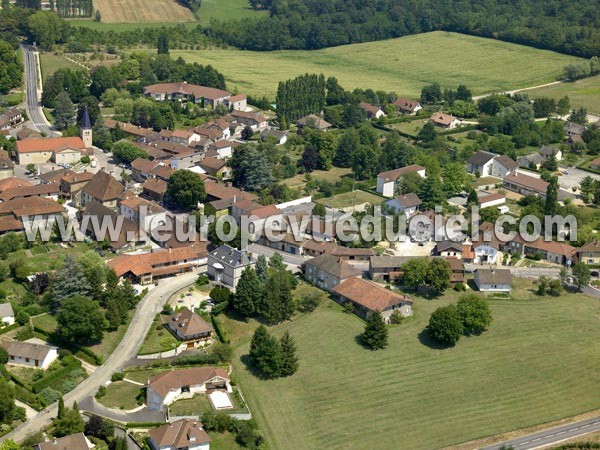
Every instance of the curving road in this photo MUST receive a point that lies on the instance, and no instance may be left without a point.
(127, 349)
(32, 81)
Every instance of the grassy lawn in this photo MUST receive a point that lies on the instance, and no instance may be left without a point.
(46, 322)
(226, 9)
(48, 256)
(223, 441)
(12, 288)
(51, 63)
(121, 395)
(333, 175)
(11, 98)
(412, 128)
(538, 362)
(142, 376)
(111, 339)
(584, 92)
(191, 407)
(484, 181)
(158, 339)
(402, 65)
(349, 199)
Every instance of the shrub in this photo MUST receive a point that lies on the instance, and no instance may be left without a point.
(117, 376)
(101, 392)
(67, 386)
(396, 317)
(49, 395)
(202, 280)
(459, 287)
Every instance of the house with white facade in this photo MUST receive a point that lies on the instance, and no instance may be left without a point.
(226, 264)
(486, 252)
(490, 164)
(184, 434)
(167, 387)
(386, 181)
(407, 204)
(149, 215)
(31, 353)
(493, 280)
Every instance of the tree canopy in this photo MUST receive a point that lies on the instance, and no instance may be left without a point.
(185, 190)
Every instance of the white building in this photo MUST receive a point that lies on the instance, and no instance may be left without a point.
(226, 264)
(147, 214)
(407, 204)
(386, 181)
(30, 354)
(485, 253)
(167, 387)
(493, 280)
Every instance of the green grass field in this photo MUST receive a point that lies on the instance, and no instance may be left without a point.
(50, 63)
(539, 361)
(158, 339)
(584, 92)
(226, 9)
(349, 199)
(402, 65)
(121, 395)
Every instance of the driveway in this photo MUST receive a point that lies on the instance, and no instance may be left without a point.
(574, 177)
(143, 415)
(127, 349)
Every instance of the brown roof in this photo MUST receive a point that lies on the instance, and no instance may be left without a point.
(237, 98)
(144, 165)
(590, 247)
(442, 119)
(314, 119)
(211, 163)
(535, 184)
(560, 248)
(335, 266)
(75, 177)
(187, 89)
(256, 116)
(182, 433)
(10, 223)
(146, 263)
(12, 183)
(490, 198)
(175, 379)
(596, 162)
(155, 185)
(103, 187)
(406, 105)
(221, 191)
(30, 206)
(127, 229)
(369, 108)
(507, 162)
(27, 349)
(188, 323)
(49, 144)
(409, 200)
(73, 442)
(494, 276)
(135, 203)
(369, 295)
(392, 175)
(30, 191)
(163, 172)
(27, 133)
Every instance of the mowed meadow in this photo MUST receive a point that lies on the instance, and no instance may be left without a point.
(538, 362)
(402, 65)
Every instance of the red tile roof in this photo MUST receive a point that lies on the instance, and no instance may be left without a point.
(49, 144)
(369, 295)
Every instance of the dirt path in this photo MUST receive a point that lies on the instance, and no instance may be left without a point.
(519, 90)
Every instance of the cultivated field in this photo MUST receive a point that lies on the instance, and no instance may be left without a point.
(402, 65)
(134, 11)
(584, 92)
(538, 362)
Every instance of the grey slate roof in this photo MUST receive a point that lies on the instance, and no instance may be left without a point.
(6, 310)
(230, 256)
(480, 158)
(494, 276)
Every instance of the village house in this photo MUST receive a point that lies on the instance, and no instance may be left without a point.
(237, 102)
(183, 434)
(387, 268)
(595, 164)
(547, 152)
(551, 251)
(184, 137)
(386, 181)
(61, 150)
(493, 280)
(145, 268)
(257, 121)
(280, 137)
(487, 252)
(147, 214)
(12, 212)
(217, 168)
(287, 243)
(223, 148)
(28, 133)
(31, 353)
(50, 191)
(525, 184)
(72, 442)
(141, 169)
(10, 118)
(589, 253)
(573, 129)
(313, 121)
(125, 237)
(448, 248)
(167, 387)
(71, 184)
(407, 204)
(486, 200)
(490, 164)
(7, 168)
(368, 297)
(446, 121)
(315, 248)
(190, 328)
(372, 111)
(7, 315)
(226, 264)
(410, 107)
(531, 161)
(154, 189)
(503, 166)
(201, 95)
(327, 271)
(457, 270)
(102, 188)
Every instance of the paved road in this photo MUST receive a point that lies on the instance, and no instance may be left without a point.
(33, 94)
(293, 262)
(550, 436)
(127, 348)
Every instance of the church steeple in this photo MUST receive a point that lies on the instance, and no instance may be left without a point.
(86, 129)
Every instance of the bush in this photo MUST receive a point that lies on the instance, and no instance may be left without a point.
(49, 396)
(117, 376)
(396, 317)
(25, 333)
(101, 392)
(459, 287)
(67, 386)
(202, 280)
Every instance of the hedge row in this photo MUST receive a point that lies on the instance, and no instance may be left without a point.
(221, 334)
(9, 328)
(89, 356)
(60, 373)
